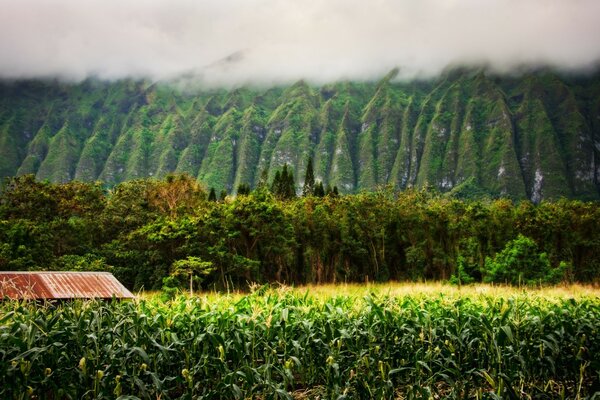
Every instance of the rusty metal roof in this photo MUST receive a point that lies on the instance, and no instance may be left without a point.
(61, 285)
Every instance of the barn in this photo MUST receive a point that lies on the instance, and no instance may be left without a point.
(44, 285)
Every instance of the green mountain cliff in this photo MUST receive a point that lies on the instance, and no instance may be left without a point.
(535, 136)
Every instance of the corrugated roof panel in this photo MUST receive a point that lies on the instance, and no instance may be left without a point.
(22, 286)
(61, 285)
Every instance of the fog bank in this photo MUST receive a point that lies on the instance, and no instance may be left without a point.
(235, 42)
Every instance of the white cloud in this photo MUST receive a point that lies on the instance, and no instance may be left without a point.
(232, 42)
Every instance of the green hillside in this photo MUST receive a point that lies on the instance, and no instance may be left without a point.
(536, 136)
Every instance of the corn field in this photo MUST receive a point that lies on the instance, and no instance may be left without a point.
(286, 344)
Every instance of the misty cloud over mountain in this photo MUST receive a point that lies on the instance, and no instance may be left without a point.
(234, 42)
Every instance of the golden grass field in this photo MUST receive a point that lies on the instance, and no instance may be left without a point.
(402, 289)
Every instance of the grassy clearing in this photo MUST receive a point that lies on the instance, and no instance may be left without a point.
(441, 288)
(329, 342)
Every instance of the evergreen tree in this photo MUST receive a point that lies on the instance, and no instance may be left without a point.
(276, 185)
(212, 196)
(283, 185)
(309, 179)
(288, 184)
(243, 189)
(319, 191)
(332, 191)
(263, 182)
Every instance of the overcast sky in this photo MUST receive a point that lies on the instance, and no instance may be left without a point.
(234, 42)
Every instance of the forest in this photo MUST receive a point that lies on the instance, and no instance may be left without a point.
(154, 234)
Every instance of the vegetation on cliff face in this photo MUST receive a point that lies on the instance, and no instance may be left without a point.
(536, 136)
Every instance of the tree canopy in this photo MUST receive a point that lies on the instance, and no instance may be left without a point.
(142, 229)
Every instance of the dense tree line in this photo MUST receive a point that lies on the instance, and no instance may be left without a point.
(144, 230)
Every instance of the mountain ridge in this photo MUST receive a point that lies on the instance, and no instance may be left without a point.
(536, 136)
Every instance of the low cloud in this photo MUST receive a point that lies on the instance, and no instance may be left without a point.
(236, 42)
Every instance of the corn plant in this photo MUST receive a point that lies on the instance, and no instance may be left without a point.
(277, 344)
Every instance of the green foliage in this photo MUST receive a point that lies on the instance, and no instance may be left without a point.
(280, 343)
(468, 190)
(469, 132)
(308, 189)
(212, 196)
(175, 195)
(243, 189)
(283, 186)
(462, 277)
(191, 266)
(140, 228)
(87, 262)
(319, 190)
(521, 262)
(170, 288)
(191, 269)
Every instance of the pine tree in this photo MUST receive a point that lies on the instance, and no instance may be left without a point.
(319, 191)
(263, 182)
(309, 179)
(212, 196)
(243, 189)
(276, 185)
(283, 185)
(289, 186)
(332, 191)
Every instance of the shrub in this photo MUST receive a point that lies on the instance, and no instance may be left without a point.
(521, 262)
(462, 276)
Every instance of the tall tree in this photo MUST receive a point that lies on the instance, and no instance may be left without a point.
(309, 179)
(212, 196)
(243, 189)
(319, 190)
(276, 186)
(263, 182)
(191, 267)
(289, 186)
(176, 194)
(283, 186)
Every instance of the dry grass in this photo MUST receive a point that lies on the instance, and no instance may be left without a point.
(403, 289)
(436, 288)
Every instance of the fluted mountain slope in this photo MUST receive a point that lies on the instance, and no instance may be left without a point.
(536, 136)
